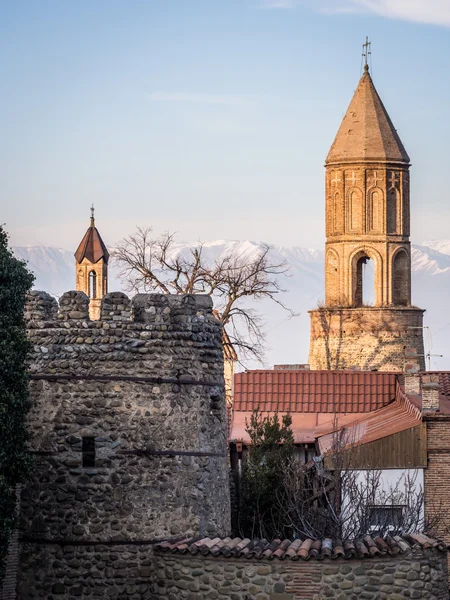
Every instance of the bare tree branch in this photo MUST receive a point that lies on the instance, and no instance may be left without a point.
(280, 496)
(157, 264)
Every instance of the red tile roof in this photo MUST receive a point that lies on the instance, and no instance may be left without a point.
(313, 391)
(306, 427)
(300, 549)
(397, 416)
(444, 380)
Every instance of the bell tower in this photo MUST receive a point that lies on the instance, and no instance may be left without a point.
(91, 263)
(367, 222)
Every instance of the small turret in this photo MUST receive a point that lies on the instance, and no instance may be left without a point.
(91, 260)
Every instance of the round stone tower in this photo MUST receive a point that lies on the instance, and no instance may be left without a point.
(129, 434)
(367, 219)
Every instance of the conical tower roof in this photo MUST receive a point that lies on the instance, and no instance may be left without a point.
(92, 246)
(366, 132)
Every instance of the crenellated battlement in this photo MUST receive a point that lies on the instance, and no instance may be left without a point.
(151, 334)
(42, 309)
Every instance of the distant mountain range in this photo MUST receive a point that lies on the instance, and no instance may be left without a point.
(288, 339)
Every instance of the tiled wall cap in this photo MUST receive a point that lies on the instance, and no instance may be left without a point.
(294, 550)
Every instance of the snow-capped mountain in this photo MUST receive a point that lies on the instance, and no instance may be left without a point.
(442, 246)
(288, 338)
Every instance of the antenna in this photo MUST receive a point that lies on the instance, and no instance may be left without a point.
(428, 354)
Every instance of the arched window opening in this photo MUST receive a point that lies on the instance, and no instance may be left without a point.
(365, 282)
(92, 284)
(400, 279)
(392, 211)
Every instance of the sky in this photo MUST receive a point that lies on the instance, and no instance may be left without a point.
(210, 118)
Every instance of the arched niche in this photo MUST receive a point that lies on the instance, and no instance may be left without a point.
(332, 278)
(401, 278)
(393, 201)
(338, 214)
(360, 262)
(375, 210)
(355, 210)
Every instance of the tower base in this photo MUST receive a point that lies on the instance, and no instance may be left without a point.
(368, 338)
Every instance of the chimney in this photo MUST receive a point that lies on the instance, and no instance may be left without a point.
(430, 392)
(412, 372)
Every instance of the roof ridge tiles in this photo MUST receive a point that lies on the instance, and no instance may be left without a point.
(307, 549)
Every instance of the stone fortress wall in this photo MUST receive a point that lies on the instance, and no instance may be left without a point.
(127, 426)
(418, 574)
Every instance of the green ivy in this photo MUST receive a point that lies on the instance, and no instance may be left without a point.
(15, 281)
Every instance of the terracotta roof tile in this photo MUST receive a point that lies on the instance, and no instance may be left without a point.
(305, 426)
(444, 379)
(399, 415)
(313, 391)
(307, 549)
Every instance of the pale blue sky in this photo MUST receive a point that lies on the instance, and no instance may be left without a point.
(208, 117)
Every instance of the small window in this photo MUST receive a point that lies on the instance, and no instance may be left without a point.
(385, 518)
(88, 450)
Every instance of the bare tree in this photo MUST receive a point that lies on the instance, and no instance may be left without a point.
(151, 263)
(344, 501)
(327, 497)
(350, 504)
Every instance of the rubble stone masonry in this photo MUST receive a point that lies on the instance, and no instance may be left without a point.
(422, 574)
(127, 428)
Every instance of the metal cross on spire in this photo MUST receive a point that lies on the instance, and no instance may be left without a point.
(92, 215)
(366, 52)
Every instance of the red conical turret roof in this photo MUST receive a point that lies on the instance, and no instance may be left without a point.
(92, 246)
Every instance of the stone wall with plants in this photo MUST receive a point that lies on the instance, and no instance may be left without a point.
(144, 386)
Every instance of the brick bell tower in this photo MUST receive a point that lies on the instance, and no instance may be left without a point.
(367, 219)
(91, 263)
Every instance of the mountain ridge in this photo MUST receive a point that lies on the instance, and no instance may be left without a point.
(288, 339)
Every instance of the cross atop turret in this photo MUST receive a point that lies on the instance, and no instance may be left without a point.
(91, 263)
(366, 52)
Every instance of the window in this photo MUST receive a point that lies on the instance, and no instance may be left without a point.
(92, 284)
(88, 450)
(385, 518)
